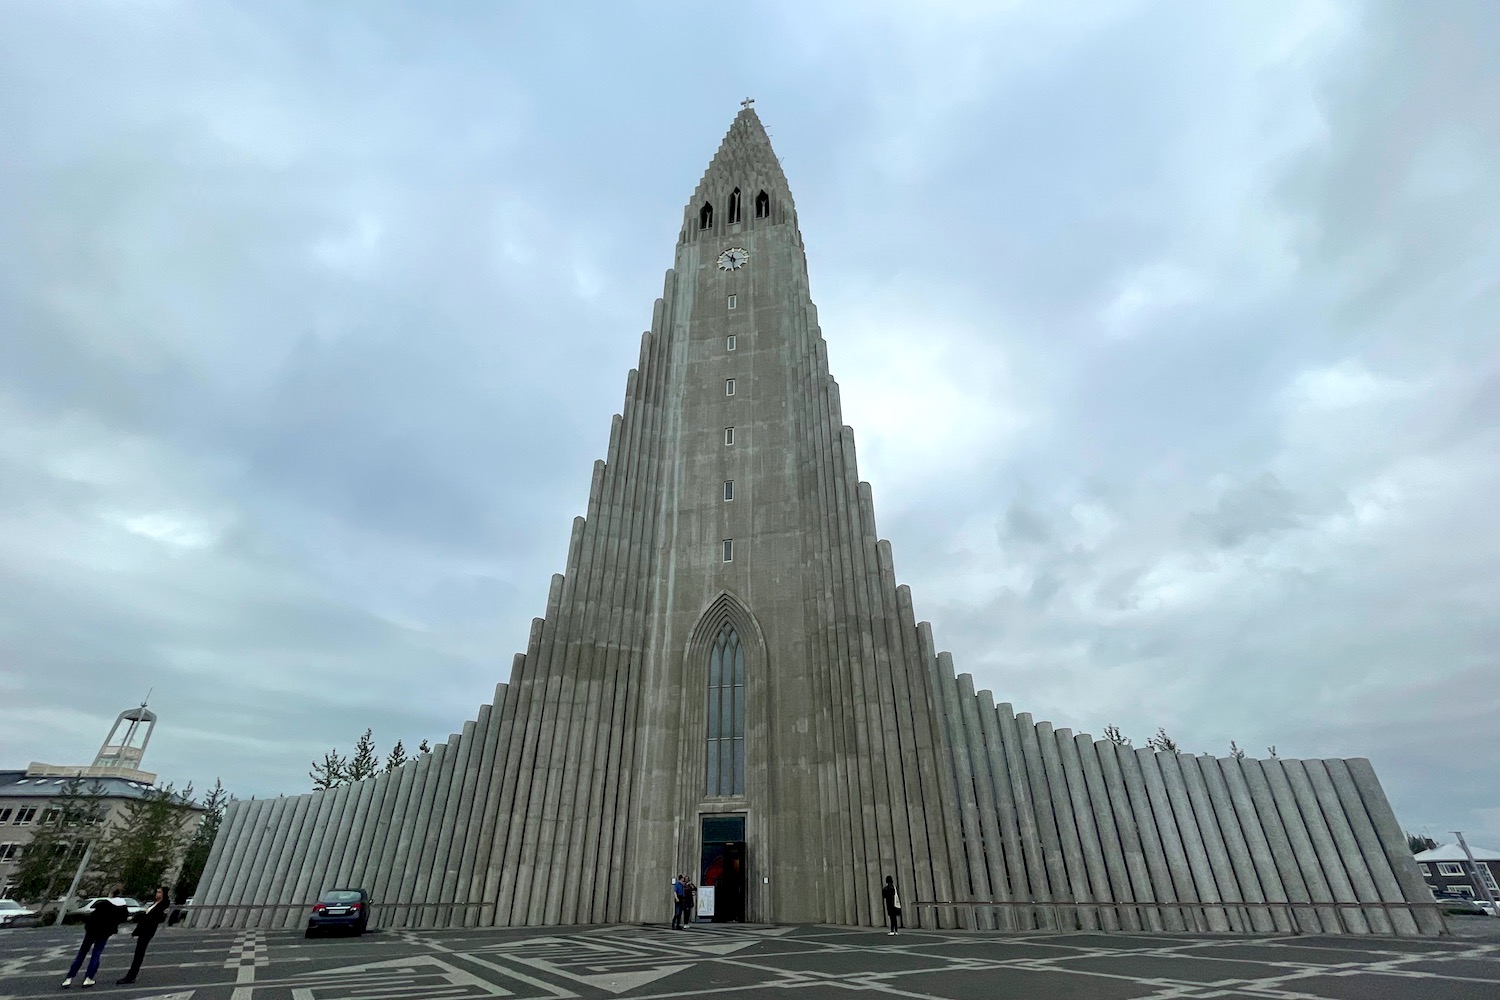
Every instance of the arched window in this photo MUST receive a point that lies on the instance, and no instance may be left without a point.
(762, 206)
(706, 216)
(726, 716)
(734, 206)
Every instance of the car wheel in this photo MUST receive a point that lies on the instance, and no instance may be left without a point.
(308, 933)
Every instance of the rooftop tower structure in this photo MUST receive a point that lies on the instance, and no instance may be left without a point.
(729, 682)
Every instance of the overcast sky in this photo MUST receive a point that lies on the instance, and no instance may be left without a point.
(1168, 333)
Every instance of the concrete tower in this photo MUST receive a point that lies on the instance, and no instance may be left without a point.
(729, 682)
(126, 743)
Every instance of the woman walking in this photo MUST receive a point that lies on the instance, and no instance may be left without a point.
(103, 919)
(145, 929)
(892, 903)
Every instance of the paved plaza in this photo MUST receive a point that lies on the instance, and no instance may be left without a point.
(805, 963)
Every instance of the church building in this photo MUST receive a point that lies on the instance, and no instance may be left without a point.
(728, 681)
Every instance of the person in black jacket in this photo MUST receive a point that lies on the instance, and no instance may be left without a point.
(892, 903)
(145, 929)
(99, 926)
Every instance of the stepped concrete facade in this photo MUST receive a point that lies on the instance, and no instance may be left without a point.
(729, 682)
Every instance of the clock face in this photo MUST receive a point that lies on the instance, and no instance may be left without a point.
(733, 259)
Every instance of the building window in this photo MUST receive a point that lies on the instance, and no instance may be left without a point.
(1450, 868)
(734, 301)
(729, 342)
(762, 206)
(51, 816)
(1426, 868)
(734, 206)
(728, 489)
(729, 435)
(10, 851)
(729, 550)
(725, 772)
(1460, 890)
(5, 815)
(729, 387)
(25, 816)
(706, 216)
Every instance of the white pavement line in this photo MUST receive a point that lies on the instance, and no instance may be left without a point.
(557, 991)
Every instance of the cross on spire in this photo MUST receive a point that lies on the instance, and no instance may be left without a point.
(747, 102)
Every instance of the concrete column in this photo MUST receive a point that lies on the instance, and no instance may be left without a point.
(427, 881)
(1205, 888)
(1046, 823)
(296, 863)
(446, 857)
(1033, 851)
(953, 843)
(334, 844)
(252, 824)
(1122, 815)
(1258, 920)
(1206, 824)
(221, 859)
(1009, 855)
(1147, 827)
(1305, 920)
(1094, 866)
(1105, 829)
(413, 835)
(397, 839)
(367, 868)
(1349, 851)
(474, 785)
(258, 877)
(1303, 851)
(1067, 827)
(1393, 842)
(977, 793)
(364, 795)
(1388, 888)
(1327, 852)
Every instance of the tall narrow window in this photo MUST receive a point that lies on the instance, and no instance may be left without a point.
(729, 342)
(729, 550)
(729, 435)
(762, 206)
(725, 773)
(706, 216)
(729, 387)
(734, 206)
(734, 301)
(728, 490)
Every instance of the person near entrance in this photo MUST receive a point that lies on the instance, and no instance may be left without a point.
(679, 892)
(689, 903)
(892, 903)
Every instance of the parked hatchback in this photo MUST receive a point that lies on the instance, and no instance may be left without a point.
(340, 909)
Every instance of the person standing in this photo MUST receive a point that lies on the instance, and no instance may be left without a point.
(689, 903)
(145, 928)
(678, 892)
(892, 903)
(99, 926)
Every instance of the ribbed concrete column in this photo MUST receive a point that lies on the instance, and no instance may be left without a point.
(1305, 919)
(446, 859)
(1067, 827)
(1221, 809)
(1046, 822)
(1115, 806)
(330, 854)
(1008, 863)
(1327, 853)
(1303, 851)
(1147, 828)
(297, 867)
(480, 819)
(1033, 852)
(397, 839)
(1347, 845)
(256, 880)
(1387, 888)
(932, 755)
(986, 867)
(1205, 888)
(413, 834)
(1171, 838)
(364, 795)
(958, 866)
(1393, 842)
(226, 856)
(953, 694)
(426, 882)
(1094, 866)
(372, 845)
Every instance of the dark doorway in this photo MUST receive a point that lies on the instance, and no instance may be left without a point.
(724, 866)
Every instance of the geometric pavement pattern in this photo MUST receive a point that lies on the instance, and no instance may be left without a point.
(730, 962)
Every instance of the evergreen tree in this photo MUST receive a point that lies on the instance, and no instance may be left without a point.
(142, 850)
(1236, 751)
(364, 764)
(1419, 842)
(424, 747)
(332, 772)
(396, 757)
(71, 823)
(1161, 742)
(196, 856)
(1113, 734)
(1272, 751)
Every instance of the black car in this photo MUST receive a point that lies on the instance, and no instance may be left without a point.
(340, 909)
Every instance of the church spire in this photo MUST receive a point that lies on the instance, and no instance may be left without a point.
(743, 183)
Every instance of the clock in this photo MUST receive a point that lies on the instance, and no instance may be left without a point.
(733, 259)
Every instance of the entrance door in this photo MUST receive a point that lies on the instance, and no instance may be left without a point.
(723, 867)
